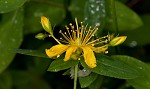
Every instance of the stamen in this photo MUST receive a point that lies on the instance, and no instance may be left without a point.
(58, 56)
(69, 32)
(77, 27)
(90, 34)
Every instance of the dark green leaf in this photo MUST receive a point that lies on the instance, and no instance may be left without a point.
(37, 53)
(55, 12)
(10, 5)
(112, 68)
(60, 64)
(28, 80)
(86, 81)
(141, 82)
(77, 9)
(97, 83)
(124, 15)
(140, 36)
(5, 81)
(10, 37)
(95, 14)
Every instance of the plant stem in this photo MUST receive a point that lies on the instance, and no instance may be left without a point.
(114, 15)
(55, 39)
(75, 76)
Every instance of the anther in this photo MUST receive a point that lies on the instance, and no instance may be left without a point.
(60, 31)
(70, 24)
(58, 56)
(78, 58)
(66, 27)
(106, 52)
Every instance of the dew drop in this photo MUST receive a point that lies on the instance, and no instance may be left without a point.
(102, 4)
(97, 8)
(85, 18)
(13, 40)
(97, 24)
(133, 44)
(15, 21)
(92, 12)
(92, 5)
(6, 2)
(140, 68)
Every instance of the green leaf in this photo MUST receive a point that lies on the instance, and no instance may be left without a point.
(5, 80)
(112, 68)
(124, 15)
(141, 82)
(60, 64)
(86, 81)
(28, 80)
(55, 12)
(77, 9)
(10, 37)
(140, 36)
(37, 53)
(97, 83)
(10, 5)
(95, 14)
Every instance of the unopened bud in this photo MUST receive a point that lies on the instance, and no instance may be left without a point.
(46, 24)
(40, 36)
(117, 40)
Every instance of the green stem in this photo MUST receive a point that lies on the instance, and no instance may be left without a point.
(115, 25)
(55, 39)
(75, 76)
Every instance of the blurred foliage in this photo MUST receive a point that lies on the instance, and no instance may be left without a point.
(20, 22)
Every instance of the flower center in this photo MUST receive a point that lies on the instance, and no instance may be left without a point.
(78, 42)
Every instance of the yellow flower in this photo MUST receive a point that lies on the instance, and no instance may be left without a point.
(79, 40)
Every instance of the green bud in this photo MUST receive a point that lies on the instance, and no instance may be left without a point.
(117, 40)
(46, 25)
(41, 36)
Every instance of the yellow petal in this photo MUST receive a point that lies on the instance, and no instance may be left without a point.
(89, 56)
(101, 49)
(69, 51)
(56, 50)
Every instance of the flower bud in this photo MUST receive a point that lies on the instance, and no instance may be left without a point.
(46, 25)
(117, 40)
(40, 36)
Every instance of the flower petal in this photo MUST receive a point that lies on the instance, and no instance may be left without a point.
(101, 49)
(89, 56)
(69, 51)
(56, 50)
